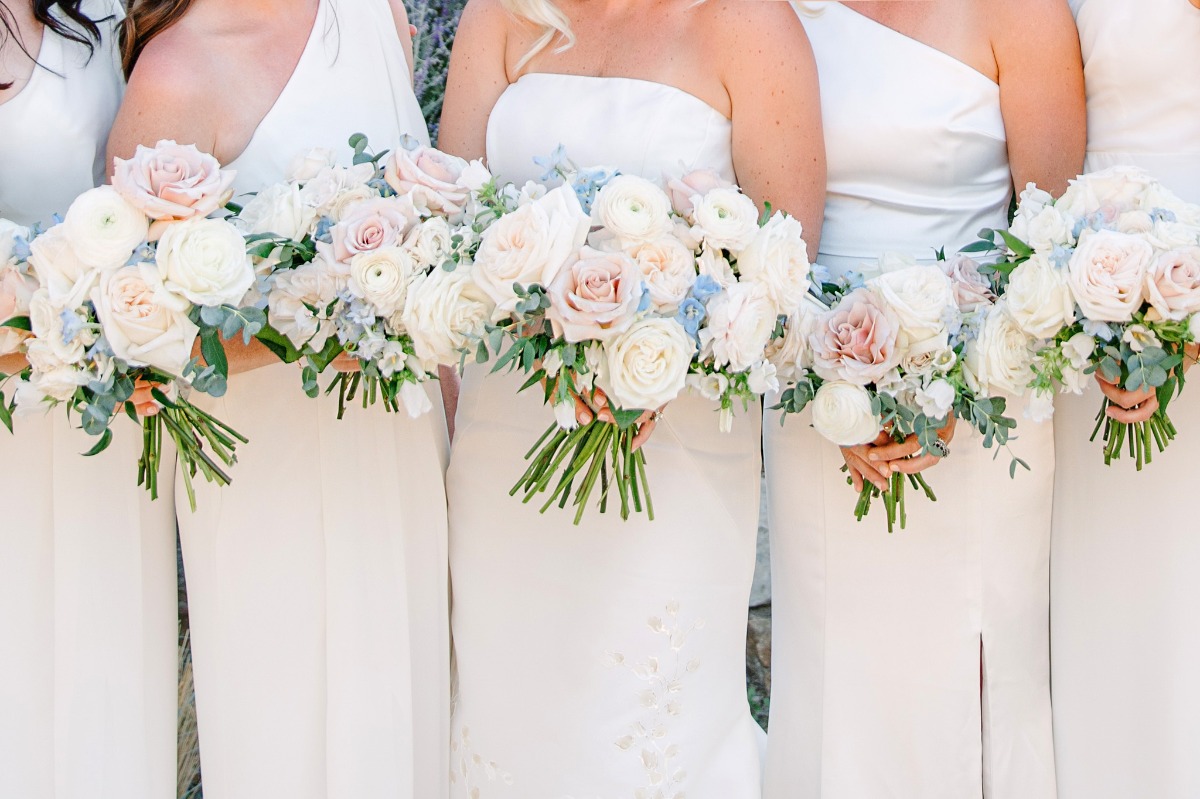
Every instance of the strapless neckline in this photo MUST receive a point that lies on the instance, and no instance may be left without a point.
(649, 84)
(920, 44)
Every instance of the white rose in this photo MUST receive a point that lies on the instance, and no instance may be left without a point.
(740, 323)
(709, 386)
(57, 384)
(307, 165)
(334, 188)
(59, 269)
(647, 365)
(763, 378)
(633, 209)
(841, 413)
(1159, 198)
(445, 315)
(1001, 358)
(529, 246)
(104, 228)
(791, 354)
(382, 277)
(726, 219)
(1194, 327)
(1047, 229)
(923, 358)
(203, 262)
(294, 295)
(430, 242)
(1173, 235)
(936, 400)
(279, 210)
(922, 298)
(141, 330)
(1106, 274)
(1039, 298)
(1135, 222)
(1113, 191)
(777, 258)
(669, 270)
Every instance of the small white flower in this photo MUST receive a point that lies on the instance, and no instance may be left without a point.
(936, 400)
(709, 386)
(552, 363)
(415, 400)
(1039, 407)
(1140, 337)
(1078, 349)
(763, 378)
(564, 415)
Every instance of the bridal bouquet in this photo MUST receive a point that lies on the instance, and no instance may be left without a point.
(1107, 280)
(112, 299)
(897, 355)
(652, 292)
(342, 252)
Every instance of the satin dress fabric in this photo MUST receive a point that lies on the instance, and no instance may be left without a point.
(914, 664)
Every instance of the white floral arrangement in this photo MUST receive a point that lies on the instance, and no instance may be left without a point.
(110, 301)
(613, 291)
(894, 357)
(344, 256)
(1106, 280)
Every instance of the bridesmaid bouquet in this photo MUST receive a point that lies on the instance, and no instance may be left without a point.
(652, 292)
(122, 288)
(896, 356)
(1107, 280)
(342, 253)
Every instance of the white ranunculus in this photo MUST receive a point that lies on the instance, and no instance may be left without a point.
(47, 320)
(922, 297)
(445, 315)
(529, 246)
(1107, 272)
(203, 262)
(294, 295)
(430, 242)
(709, 386)
(763, 378)
(841, 413)
(280, 210)
(777, 259)
(935, 400)
(1001, 358)
(382, 277)
(1039, 298)
(668, 268)
(59, 269)
(142, 330)
(740, 323)
(726, 219)
(104, 228)
(647, 365)
(307, 165)
(632, 208)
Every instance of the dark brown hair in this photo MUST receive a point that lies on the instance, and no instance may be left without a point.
(145, 20)
(77, 26)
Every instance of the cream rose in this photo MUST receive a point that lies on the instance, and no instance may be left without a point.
(669, 269)
(430, 242)
(777, 259)
(921, 297)
(331, 191)
(445, 315)
(740, 323)
(685, 191)
(633, 209)
(1001, 358)
(1039, 298)
(726, 219)
(529, 246)
(296, 292)
(203, 262)
(594, 297)
(842, 413)
(382, 277)
(278, 210)
(171, 182)
(432, 176)
(647, 365)
(1106, 274)
(1111, 191)
(48, 323)
(104, 228)
(1172, 284)
(59, 270)
(141, 330)
(370, 225)
(857, 341)
(791, 354)
(307, 165)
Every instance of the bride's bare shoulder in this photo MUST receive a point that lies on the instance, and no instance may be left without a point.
(755, 34)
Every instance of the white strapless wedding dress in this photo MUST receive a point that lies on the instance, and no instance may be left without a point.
(317, 582)
(1126, 546)
(605, 660)
(87, 562)
(912, 665)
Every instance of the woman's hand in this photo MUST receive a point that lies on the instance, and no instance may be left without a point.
(1129, 407)
(12, 364)
(876, 461)
(597, 407)
(143, 401)
(861, 467)
(346, 363)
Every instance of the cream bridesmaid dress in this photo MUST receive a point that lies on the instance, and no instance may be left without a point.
(913, 665)
(1126, 546)
(605, 660)
(317, 581)
(87, 561)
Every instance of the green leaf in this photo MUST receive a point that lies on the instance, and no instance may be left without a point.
(214, 352)
(625, 419)
(18, 323)
(105, 439)
(279, 344)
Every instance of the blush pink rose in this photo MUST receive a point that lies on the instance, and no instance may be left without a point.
(431, 177)
(683, 191)
(171, 182)
(972, 291)
(595, 297)
(856, 341)
(1172, 284)
(371, 224)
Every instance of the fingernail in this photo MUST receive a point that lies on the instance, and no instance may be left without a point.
(587, 417)
(873, 456)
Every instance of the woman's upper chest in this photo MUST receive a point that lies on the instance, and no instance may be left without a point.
(954, 27)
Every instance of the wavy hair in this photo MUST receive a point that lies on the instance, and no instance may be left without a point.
(144, 20)
(547, 16)
(62, 17)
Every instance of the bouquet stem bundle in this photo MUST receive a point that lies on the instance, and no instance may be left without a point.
(1141, 437)
(893, 498)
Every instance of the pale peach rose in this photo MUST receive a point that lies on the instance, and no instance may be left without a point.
(595, 297)
(1172, 284)
(171, 182)
(856, 341)
(684, 191)
(1106, 274)
(972, 291)
(431, 175)
(369, 225)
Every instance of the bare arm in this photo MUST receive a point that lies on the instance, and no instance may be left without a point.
(405, 32)
(771, 76)
(477, 78)
(1041, 90)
